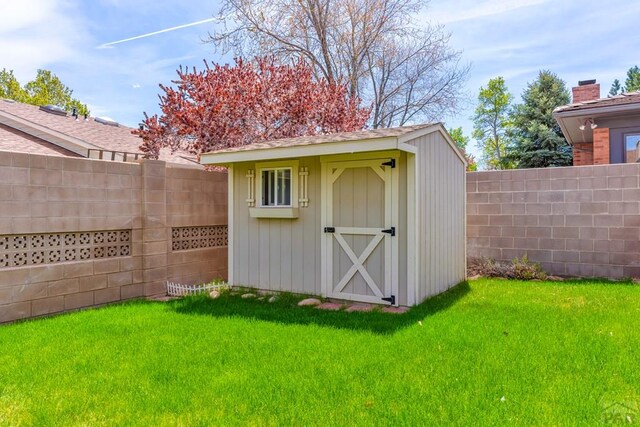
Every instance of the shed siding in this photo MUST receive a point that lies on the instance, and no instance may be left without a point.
(277, 254)
(441, 215)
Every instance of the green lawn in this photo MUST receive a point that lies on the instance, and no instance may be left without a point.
(490, 352)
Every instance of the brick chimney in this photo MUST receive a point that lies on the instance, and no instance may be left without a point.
(587, 90)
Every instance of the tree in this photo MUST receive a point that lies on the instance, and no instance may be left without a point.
(10, 87)
(616, 88)
(250, 101)
(462, 141)
(538, 140)
(632, 83)
(47, 88)
(406, 71)
(491, 123)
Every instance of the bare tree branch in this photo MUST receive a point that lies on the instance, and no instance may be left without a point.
(407, 72)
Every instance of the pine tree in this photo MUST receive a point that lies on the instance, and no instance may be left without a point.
(616, 88)
(632, 83)
(538, 140)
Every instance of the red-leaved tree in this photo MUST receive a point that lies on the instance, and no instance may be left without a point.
(251, 101)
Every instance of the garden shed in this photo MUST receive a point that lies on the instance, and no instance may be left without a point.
(375, 216)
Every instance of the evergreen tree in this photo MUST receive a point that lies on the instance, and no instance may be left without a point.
(537, 139)
(616, 88)
(491, 123)
(632, 83)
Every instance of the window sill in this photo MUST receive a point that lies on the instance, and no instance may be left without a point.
(273, 212)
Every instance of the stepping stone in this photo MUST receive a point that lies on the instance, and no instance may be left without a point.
(246, 296)
(359, 307)
(395, 310)
(309, 301)
(332, 306)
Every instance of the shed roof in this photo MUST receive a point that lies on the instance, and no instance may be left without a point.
(338, 143)
(367, 134)
(72, 135)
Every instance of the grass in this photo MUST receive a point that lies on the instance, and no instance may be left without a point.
(487, 352)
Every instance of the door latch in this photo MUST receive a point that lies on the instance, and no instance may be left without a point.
(329, 229)
(391, 231)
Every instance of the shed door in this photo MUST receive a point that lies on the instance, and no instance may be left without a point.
(360, 255)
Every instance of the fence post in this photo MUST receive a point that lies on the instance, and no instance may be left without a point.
(154, 227)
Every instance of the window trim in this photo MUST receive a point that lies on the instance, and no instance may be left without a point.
(282, 164)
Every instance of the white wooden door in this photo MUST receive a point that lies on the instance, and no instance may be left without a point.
(360, 247)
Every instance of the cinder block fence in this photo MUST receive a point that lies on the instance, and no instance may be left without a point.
(77, 232)
(577, 221)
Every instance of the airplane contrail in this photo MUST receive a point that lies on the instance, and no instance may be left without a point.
(166, 30)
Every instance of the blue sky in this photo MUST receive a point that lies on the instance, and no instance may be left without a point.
(577, 39)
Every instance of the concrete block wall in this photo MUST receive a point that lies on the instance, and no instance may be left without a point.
(576, 221)
(78, 232)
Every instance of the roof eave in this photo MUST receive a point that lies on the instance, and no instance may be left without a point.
(624, 108)
(339, 147)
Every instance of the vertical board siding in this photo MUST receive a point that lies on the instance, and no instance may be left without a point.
(441, 216)
(278, 254)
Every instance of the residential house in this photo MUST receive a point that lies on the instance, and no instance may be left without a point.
(51, 130)
(601, 130)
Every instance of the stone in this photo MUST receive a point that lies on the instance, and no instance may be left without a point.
(331, 306)
(359, 307)
(273, 299)
(555, 278)
(395, 310)
(309, 301)
(247, 296)
(214, 294)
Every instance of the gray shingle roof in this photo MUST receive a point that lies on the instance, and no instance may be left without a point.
(323, 139)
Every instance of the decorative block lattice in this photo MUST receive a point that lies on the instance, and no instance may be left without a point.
(17, 250)
(185, 238)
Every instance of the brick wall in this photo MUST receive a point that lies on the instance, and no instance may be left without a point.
(577, 221)
(582, 154)
(77, 232)
(601, 146)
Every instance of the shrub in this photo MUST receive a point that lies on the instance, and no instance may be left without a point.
(519, 268)
(523, 269)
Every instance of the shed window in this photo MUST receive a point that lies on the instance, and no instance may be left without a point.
(276, 187)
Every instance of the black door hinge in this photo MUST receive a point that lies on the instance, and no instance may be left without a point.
(391, 231)
(329, 229)
(391, 163)
(391, 300)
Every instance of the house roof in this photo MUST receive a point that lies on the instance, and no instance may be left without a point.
(19, 142)
(71, 135)
(338, 143)
(626, 99)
